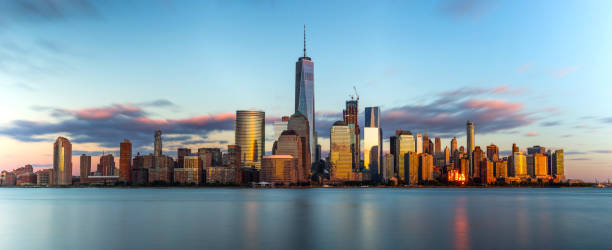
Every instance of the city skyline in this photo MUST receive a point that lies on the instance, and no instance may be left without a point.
(500, 106)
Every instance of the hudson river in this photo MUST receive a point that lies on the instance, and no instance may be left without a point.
(217, 218)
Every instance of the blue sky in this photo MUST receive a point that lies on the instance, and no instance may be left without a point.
(538, 68)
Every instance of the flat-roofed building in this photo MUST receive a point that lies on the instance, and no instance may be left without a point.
(340, 155)
(279, 169)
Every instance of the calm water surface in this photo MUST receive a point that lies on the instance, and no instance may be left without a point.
(211, 218)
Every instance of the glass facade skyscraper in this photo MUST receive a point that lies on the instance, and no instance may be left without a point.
(250, 136)
(372, 117)
(372, 141)
(62, 162)
(304, 94)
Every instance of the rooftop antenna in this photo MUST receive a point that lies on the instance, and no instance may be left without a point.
(304, 40)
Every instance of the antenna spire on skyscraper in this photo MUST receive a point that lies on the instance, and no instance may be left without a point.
(304, 40)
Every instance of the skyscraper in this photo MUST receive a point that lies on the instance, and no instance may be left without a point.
(372, 117)
(107, 165)
(304, 94)
(492, 152)
(62, 162)
(558, 170)
(158, 143)
(289, 143)
(372, 141)
(418, 144)
(180, 156)
(250, 136)
(352, 120)
(299, 123)
(280, 126)
(470, 145)
(536, 150)
(404, 144)
(85, 167)
(340, 155)
(453, 145)
(125, 160)
(438, 145)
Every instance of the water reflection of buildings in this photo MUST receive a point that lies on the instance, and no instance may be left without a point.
(461, 229)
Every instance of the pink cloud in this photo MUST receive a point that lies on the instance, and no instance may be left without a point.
(493, 104)
(103, 112)
(205, 119)
(531, 134)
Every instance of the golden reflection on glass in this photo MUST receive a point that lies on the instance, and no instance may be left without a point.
(250, 225)
(461, 229)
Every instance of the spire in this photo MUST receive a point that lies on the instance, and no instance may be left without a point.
(304, 40)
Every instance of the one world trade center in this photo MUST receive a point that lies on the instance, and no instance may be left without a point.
(304, 95)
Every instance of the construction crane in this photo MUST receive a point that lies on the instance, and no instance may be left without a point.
(356, 95)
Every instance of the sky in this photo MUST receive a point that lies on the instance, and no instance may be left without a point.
(96, 72)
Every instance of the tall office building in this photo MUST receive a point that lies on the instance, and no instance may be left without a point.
(304, 94)
(438, 145)
(125, 160)
(515, 148)
(519, 164)
(470, 144)
(492, 152)
(536, 150)
(299, 123)
(180, 156)
(233, 156)
(453, 145)
(392, 148)
(62, 161)
(157, 146)
(289, 143)
(558, 169)
(372, 117)
(405, 143)
(85, 167)
(340, 155)
(106, 167)
(280, 126)
(372, 141)
(418, 143)
(477, 157)
(351, 118)
(250, 136)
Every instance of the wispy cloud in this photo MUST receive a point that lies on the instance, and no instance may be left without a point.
(531, 134)
(579, 159)
(550, 123)
(562, 72)
(605, 151)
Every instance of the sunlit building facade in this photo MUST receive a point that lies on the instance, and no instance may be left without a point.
(62, 162)
(299, 123)
(250, 136)
(410, 163)
(418, 144)
(519, 164)
(340, 155)
(279, 169)
(372, 149)
(404, 143)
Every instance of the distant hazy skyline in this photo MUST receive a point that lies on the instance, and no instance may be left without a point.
(525, 72)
